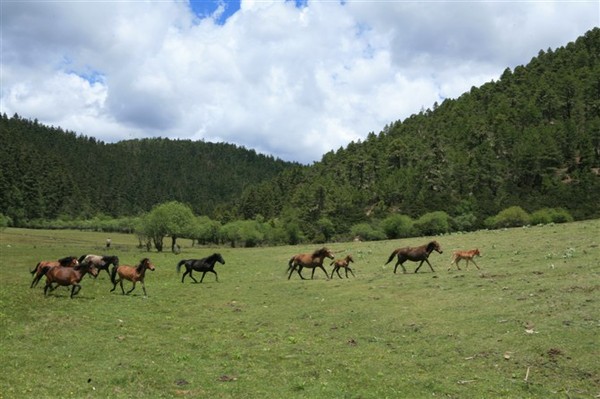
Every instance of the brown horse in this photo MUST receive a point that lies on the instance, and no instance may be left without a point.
(415, 254)
(66, 276)
(69, 261)
(311, 261)
(457, 256)
(131, 273)
(342, 263)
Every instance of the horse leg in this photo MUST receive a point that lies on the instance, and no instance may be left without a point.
(122, 289)
(144, 287)
(192, 277)
(421, 264)
(324, 271)
(215, 273)
(46, 288)
(107, 272)
(75, 291)
(300, 274)
(132, 288)
(351, 272)
(472, 260)
(401, 264)
(114, 285)
(312, 274)
(337, 270)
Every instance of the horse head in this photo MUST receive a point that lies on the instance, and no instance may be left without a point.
(434, 245)
(219, 258)
(349, 258)
(146, 264)
(323, 252)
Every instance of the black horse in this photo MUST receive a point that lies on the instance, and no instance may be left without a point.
(415, 254)
(203, 265)
(100, 262)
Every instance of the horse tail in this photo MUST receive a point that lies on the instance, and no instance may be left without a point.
(113, 274)
(181, 262)
(391, 256)
(35, 269)
(291, 263)
(81, 258)
(44, 270)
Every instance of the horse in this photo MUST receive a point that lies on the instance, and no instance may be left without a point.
(69, 261)
(101, 262)
(311, 261)
(65, 276)
(203, 265)
(415, 254)
(342, 263)
(457, 256)
(131, 273)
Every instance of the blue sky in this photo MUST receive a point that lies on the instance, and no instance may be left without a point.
(293, 79)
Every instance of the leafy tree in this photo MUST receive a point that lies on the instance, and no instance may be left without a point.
(169, 219)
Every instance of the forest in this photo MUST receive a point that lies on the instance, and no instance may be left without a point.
(529, 141)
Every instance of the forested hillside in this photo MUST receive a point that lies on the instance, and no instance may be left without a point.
(530, 139)
(47, 172)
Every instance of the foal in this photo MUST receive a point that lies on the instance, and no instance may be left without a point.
(342, 263)
(457, 256)
(133, 274)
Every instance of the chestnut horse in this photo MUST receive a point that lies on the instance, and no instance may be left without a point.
(415, 254)
(66, 276)
(203, 265)
(342, 263)
(69, 261)
(100, 262)
(311, 261)
(457, 256)
(131, 273)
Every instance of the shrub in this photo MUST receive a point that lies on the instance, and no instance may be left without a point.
(551, 215)
(464, 222)
(398, 226)
(433, 223)
(367, 232)
(5, 221)
(510, 217)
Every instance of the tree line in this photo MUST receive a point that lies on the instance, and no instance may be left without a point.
(529, 140)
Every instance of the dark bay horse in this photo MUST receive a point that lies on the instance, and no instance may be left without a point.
(311, 261)
(415, 254)
(69, 261)
(203, 265)
(342, 263)
(131, 273)
(66, 276)
(101, 262)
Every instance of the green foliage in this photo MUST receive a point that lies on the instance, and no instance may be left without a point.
(4, 221)
(551, 215)
(511, 217)
(398, 226)
(366, 232)
(433, 223)
(169, 219)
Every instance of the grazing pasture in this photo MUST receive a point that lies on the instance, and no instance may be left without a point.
(524, 326)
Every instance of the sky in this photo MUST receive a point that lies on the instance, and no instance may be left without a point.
(293, 79)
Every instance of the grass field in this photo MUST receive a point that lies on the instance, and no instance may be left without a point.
(527, 325)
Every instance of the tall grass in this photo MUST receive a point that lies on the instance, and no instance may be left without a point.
(526, 325)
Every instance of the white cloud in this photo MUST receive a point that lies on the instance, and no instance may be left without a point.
(291, 81)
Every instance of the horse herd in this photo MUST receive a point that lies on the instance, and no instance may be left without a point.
(69, 271)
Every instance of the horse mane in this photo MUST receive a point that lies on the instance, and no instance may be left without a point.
(66, 260)
(432, 245)
(142, 265)
(320, 251)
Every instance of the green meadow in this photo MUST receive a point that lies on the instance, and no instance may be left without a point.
(527, 325)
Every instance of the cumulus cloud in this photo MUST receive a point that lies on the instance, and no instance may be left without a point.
(286, 78)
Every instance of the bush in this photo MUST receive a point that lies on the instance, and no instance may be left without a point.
(367, 232)
(433, 223)
(510, 217)
(464, 222)
(551, 215)
(5, 221)
(398, 226)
